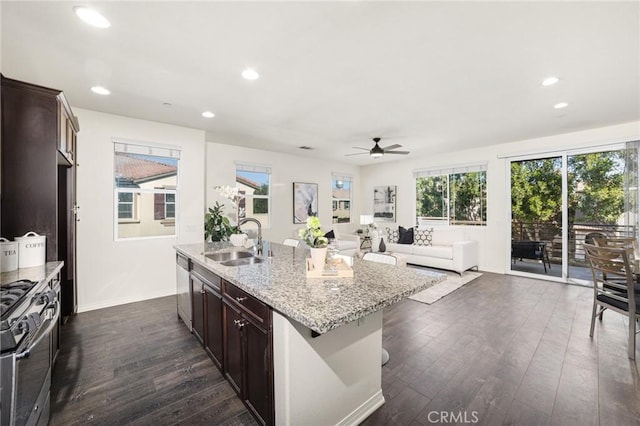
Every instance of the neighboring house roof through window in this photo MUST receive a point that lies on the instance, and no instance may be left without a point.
(134, 169)
(247, 182)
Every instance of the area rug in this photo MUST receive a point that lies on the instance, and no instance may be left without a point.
(453, 282)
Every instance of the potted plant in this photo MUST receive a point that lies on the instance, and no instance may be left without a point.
(216, 224)
(315, 239)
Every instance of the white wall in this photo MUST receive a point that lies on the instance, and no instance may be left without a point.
(109, 272)
(286, 169)
(493, 238)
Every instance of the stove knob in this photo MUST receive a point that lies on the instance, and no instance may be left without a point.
(48, 297)
(27, 324)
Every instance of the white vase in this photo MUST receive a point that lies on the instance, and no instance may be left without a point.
(318, 257)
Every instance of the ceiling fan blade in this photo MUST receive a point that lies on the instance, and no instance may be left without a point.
(357, 147)
(394, 146)
(356, 153)
(396, 152)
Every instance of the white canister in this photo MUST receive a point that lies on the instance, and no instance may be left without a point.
(31, 250)
(9, 255)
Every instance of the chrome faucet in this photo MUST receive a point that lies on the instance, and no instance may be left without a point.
(257, 222)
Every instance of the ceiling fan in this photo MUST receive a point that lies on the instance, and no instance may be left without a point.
(377, 152)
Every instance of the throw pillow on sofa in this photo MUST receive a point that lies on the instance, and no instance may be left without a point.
(392, 235)
(422, 237)
(406, 235)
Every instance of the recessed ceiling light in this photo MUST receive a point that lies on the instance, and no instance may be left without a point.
(561, 105)
(208, 114)
(250, 74)
(91, 17)
(100, 90)
(550, 81)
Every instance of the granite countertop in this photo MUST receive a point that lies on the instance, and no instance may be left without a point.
(37, 273)
(321, 304)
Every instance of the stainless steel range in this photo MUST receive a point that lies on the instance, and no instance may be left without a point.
(29, 312)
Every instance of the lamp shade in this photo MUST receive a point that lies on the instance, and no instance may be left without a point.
(366, 219)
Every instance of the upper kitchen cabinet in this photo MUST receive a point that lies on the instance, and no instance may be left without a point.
(38, 174)
(68, 127)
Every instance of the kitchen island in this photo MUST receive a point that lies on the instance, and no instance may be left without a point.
(325, 333)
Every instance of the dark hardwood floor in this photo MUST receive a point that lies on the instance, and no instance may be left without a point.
(501, 350)
(138, 364)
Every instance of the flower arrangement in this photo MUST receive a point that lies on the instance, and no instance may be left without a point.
(312, 235)
(230, 192)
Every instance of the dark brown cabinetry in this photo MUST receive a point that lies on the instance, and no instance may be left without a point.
(197, 306)
(207, 316)
(213, 340)
(249, 351)
(235, 330)
(38, 174)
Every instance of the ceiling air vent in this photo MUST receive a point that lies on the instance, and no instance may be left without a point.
(308, 148)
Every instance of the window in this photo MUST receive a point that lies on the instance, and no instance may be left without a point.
(254, 182)
(125, 205)
(145, 190)
(341, 198)
(456, 196)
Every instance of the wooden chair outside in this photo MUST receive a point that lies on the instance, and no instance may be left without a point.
(614, 287)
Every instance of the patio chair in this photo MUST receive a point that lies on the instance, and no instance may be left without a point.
(535, 250)
(613, 287)
(389, 260)
(592, 236)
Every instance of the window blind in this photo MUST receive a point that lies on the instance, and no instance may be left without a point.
(344, 178)
(142, 148)
(248, 167)
(450, 170)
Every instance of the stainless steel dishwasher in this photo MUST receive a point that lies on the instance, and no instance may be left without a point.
(182, 287)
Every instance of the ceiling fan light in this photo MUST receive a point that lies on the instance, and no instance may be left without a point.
(376, 151)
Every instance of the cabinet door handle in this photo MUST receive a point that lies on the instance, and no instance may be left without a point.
(239, 323)
(241, 299)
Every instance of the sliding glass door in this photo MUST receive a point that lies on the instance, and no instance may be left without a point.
(558, 203)
(537, 216)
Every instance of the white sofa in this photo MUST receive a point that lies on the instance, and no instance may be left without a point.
(449, 250)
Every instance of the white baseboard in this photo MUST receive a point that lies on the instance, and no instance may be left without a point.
(122, 301)
(358, 415)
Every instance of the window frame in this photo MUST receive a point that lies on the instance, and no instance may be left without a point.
(153, 150)
(134, 207)
(337, 202)
(448, 200)
(254, 168)
(166, 203)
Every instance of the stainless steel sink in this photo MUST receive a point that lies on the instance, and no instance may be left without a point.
(242, 262)
(222, 256)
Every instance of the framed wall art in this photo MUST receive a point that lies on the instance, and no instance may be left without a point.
(305, 201)
(384, 203)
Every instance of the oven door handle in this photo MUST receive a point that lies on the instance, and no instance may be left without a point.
(54, 323)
